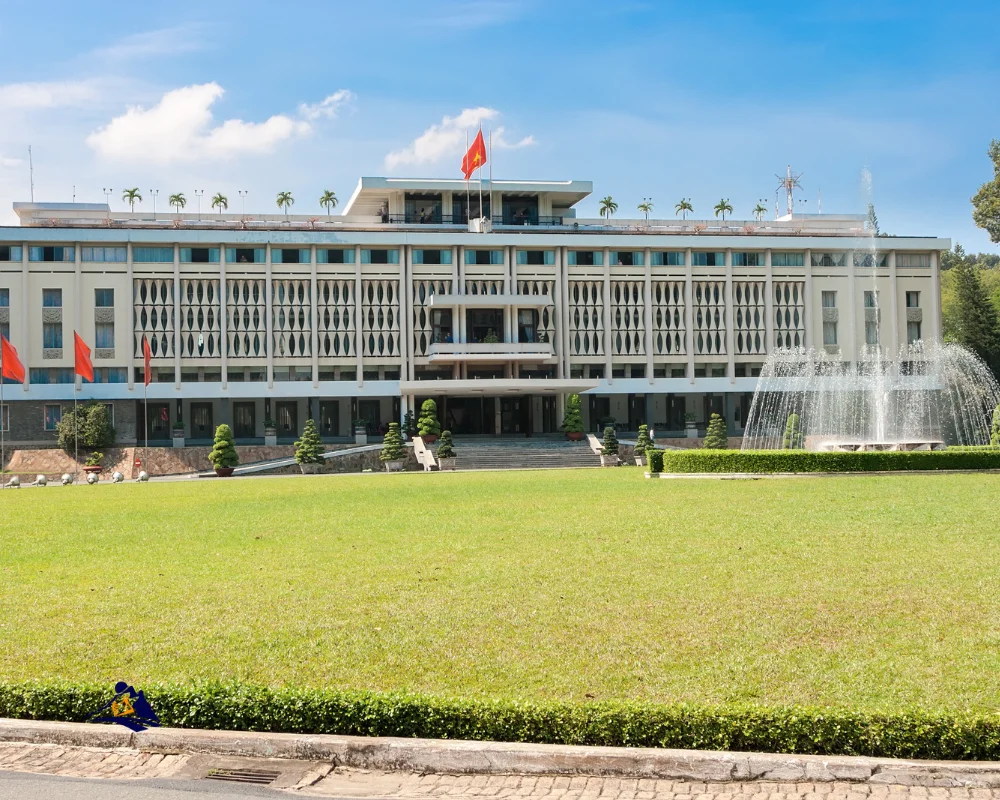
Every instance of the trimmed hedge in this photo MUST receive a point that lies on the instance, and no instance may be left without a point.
(654, 459)
(762, 461)
(792, 729)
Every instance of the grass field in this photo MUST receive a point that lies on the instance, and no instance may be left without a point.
(871, 593)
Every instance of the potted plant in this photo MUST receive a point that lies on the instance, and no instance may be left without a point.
(360, 431)
(393, 451)
(446, 452)
(490, 337)
(716, 437)
(223, 456)
(690, 428)
(93, 463)
(177, 429)
(428, 427)
(270, 432)
(609, 452)
(642, 443)
(573, 419)
(309, 449)
(409, 424)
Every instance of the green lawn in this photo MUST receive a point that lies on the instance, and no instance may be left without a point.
(874, 593)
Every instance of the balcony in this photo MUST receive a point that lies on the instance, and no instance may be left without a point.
(434, 218)
(489, 300)
(449, 353)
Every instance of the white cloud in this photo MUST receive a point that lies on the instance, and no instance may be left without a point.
(181, 128)
(55, 94)
(6, 161)
(165, 41)
(328, 107)
(449, 138)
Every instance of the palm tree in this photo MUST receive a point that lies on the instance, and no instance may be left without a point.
(608, 207)
(759, 211)
(723, 207)
(684, 206)
(328, 201)
(221, 202)
(284, 200)
(645, 207)
(178, 201)
(131, 196)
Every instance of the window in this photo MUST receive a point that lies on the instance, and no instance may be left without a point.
(10, 253)
(153, 255)
(441, 325)
(5, 419)
(586, 258)
(700, 259)
(104, 298)
(871, 299)
(527, 325)
(830, 301)
(488, 257)
(871, 332)
(335, 256)
(627, 258)
(104, 335)
(290, 256)
(380, 256)
(429, 256)
(108, 255)
(913, 259)
(199, 255)
(51, 375)
(825, 260)
(113, 375)
(670, 258)
(53, 415)
(4, 298)
(789, 260)
(533, 257)
(50, 254)
(245, 255)
(52, 298)
(52, 335)
(830, 333)
(748, 259)
(870, 260)
(913, 332)
(913, 299)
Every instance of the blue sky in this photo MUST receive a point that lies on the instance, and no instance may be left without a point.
(647, 99)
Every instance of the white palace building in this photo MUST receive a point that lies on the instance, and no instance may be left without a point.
(360, 316)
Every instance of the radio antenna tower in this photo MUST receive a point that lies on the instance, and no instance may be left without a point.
(789, 183)
(31, 174)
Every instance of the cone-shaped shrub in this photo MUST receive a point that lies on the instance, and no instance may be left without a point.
(573, 418)
(223, 453)
(643, 441)
(392, 445)
(716, 437)
(428, 424)
(309, 449)
(446, 447)
(793, 433)
(610, 442)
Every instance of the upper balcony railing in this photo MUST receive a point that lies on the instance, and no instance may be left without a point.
(450, 219)
(490, 351)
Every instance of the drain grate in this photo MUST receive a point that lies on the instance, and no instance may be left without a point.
(261, 777)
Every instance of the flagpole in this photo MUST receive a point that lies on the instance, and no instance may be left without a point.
(480, 181)
(145, 423)
(468, 200)
(76, 430)
(3, 460)
(489, 160)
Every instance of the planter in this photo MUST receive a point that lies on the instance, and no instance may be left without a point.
(691, 430)
(609, 461)
(361, 436)
(177, 437)
(640, 461)
(224, 472)
(310, 469)
(574, 436)
(94, 470)
(447, 463)
(270, 437)
(430, 438)
(393, 466)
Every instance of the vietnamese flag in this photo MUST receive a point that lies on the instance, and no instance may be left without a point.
(476, 157)
(147, 354)
(10, 365)
(84, 366)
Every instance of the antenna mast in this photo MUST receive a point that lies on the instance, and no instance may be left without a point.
(31, 174)
(789, 182)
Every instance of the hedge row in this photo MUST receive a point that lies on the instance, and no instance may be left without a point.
(759, 461)
(743, 728)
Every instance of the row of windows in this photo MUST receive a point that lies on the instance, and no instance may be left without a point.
(52, 298)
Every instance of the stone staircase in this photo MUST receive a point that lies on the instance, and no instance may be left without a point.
(487, 453)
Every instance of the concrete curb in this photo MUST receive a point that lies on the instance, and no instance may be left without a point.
(493, 758)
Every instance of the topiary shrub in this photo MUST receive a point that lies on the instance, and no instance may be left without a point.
(94, 459)
(392, 445)
(995, 428)
(95, 431)
(223, 455)
(758, 461)
(428, 424)
(409, 424)
(643, 441)
(309, 449)
(446, 447)
(654, 459)
(716, 437)
(793, 439)
(573, 417)
(610, 442)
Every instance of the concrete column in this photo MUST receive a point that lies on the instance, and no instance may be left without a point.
(77, 307)
(404, 326)
(408, 373)
(935, 294)
(223, 317)
(131, 317)
(177, 317)
(768, 303)
(729, 318)
(808, 303)
(568, 347)
(314, 320)
(689, 313)
(560, 323)
(894, 317)
(358, 321)
(607, 313)
(24, 345)
(647, 316)
(269, 317)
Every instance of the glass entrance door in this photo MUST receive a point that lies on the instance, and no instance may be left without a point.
(483, 323)
(244, 420)
(201, 421)
(329, 418)
(158, 421)
(515, 415)
(287, 417)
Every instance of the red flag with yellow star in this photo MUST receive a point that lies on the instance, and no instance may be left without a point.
(476, 157)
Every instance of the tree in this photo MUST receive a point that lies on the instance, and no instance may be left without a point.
(610, 443)
(995, 428)
(716, 437)
(573, 416)
(759, 211)
(608, 207)
(793, 439)
(409, 423)
(986, 202)
(645, 207)
(223, 455)
(446, 447)
(722, 208)
(643, 441)
(309, 449)
(328, 201)
(873, 221)
(221, 202)
(975, 317)
(178, 201)
(683, 207)
(428, 424)
(132, 196)
(95, 431)
(392, 444)
(285, 201)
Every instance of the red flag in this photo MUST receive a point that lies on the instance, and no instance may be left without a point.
(12, 367)
(84, 366)
(146, 356)
(476, 156)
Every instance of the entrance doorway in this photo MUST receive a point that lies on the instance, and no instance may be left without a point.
(158, 422)
(480, 323)
(515, 415)
(287, 417)
(244, 420)
(201, 421)
(600, 412)
(329, 418)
